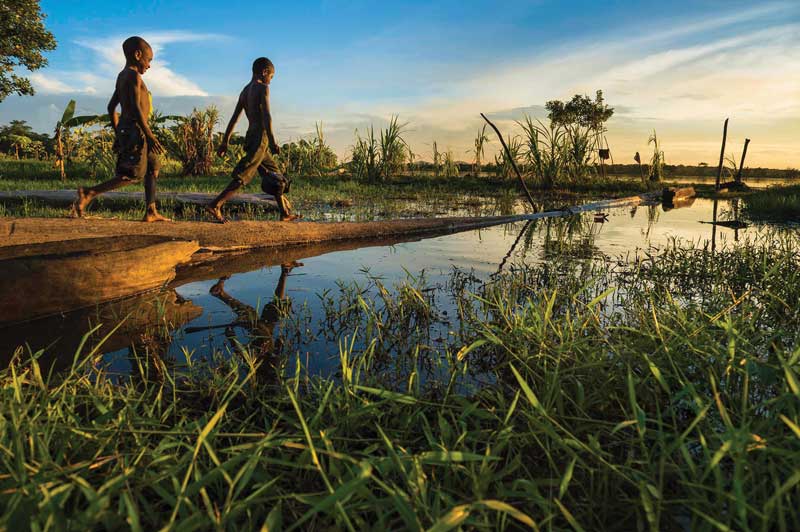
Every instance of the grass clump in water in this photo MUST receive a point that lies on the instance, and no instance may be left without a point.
(775, 204)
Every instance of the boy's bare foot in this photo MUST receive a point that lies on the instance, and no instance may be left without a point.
(215, 213)
(291, 217)
(155, 217)
(84, 198)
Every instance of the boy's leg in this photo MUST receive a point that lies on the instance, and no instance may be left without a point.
(151, 213)
(131, 167)
(242, 174)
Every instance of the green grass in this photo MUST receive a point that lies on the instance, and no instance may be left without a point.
(659, 395)
(775, 204)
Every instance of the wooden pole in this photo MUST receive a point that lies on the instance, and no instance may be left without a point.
(513, 163)
(721, 154)
(741, 164)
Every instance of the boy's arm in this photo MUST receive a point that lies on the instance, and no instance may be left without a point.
(267, 116)
(141, 117)
(112, 110)
(237, 112)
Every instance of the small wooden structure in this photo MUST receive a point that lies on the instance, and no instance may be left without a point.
(43, 279)
(672, 195)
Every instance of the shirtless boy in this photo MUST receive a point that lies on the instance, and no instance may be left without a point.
(137, 147)
(259, 142)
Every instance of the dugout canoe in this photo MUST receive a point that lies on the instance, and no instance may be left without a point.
(38, 280)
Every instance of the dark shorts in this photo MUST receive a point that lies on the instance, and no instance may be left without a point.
(256, 159)
(134, 159)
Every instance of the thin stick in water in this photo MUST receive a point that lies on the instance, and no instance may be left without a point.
(513, 163)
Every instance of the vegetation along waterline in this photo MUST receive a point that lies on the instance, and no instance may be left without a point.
(652, 395)
(774, 204)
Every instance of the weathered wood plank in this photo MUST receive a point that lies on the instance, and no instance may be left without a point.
(67, 197)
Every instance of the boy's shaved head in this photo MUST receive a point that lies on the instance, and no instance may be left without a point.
(132, 44)
(261, 64)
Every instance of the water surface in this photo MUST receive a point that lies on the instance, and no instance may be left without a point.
(253, 301)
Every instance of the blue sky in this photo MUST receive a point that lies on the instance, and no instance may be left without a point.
(679, 67)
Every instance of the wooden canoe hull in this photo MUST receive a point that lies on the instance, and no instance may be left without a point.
(42, 279)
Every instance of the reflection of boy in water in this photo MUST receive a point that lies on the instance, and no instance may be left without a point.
(261, 329)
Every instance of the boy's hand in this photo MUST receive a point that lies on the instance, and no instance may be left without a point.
(275, 149)
(223, 149)
(154, 145)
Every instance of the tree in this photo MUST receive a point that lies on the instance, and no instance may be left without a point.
(19, 142)
(580, 111)
(23, 38)
(583, 119)
(20, 139)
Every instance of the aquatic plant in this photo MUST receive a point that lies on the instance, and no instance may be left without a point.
(437, 160)
(656, 168)
(775, 204)
(479, 150)
(450, 167)
(365, 157)
(502, 161)
(312, 157)
(545, 154)
(392, 149)
(379, 158)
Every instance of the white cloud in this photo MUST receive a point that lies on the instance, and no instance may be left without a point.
(109, 60)
(50, 85)
(160, 78)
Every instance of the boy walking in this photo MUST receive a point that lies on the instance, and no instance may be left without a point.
(137, 147)
(259, 142)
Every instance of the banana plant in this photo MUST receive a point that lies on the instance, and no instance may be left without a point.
(69, 120)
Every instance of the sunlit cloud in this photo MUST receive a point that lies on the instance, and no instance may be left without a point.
(109, 60)
(56, 83)
(656, 80)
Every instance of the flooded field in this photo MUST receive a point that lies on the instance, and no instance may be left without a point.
(293, 305)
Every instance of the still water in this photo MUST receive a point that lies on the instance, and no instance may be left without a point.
(283, 301)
